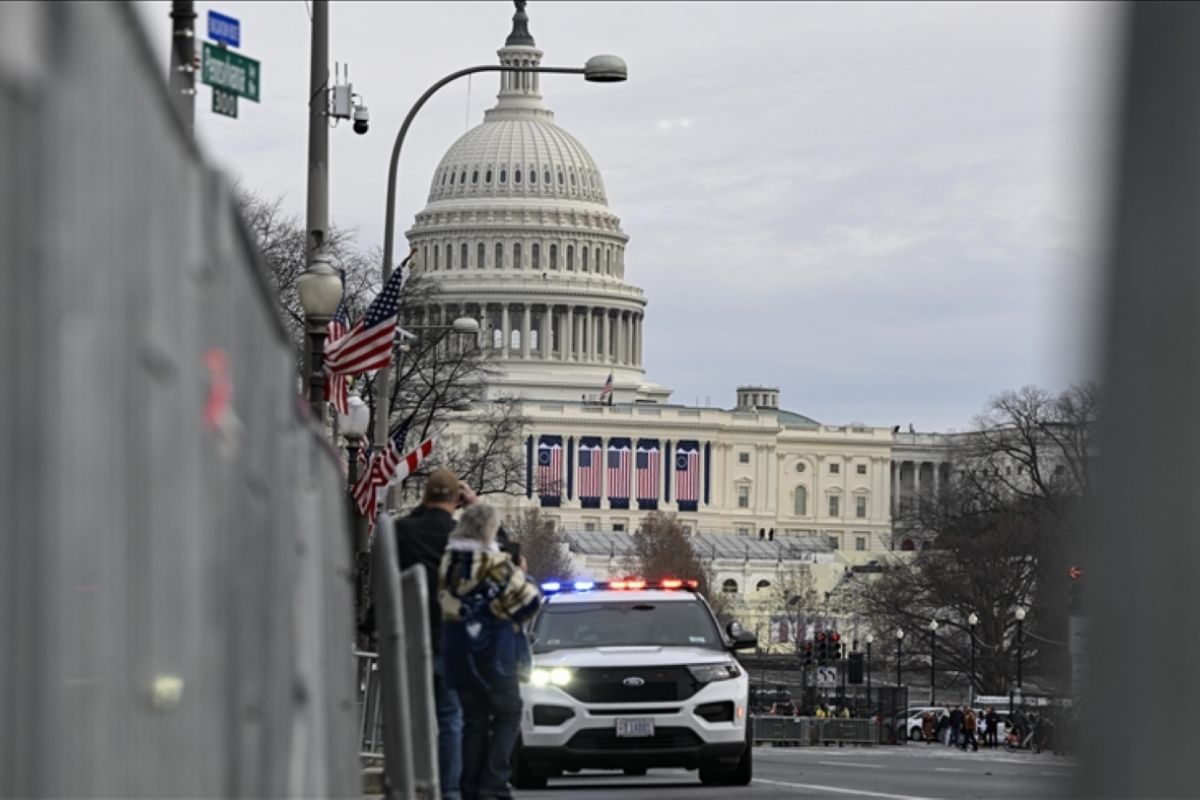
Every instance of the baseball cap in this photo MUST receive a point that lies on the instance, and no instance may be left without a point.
(442, 486)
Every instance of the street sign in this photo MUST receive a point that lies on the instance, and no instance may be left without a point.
(223, 29)
(827, 677)
(224, 103)
(230, 71)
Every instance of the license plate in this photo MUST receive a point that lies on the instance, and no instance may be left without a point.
(635, 727)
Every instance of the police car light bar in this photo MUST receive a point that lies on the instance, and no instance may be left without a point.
(623, 584)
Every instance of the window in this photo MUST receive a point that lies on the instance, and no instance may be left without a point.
(835, 505)
(503, 175)
(743, 458)
(517, 255)
(560, 178)
(800, 466)
(835, 469)
(499, 255)
(443, 179)
(597, 267)
(834, 543)
(729, 586)
(800, 505)
(608, 261)
(860, 507)
(572, 179)
(463, 254)
(860, 543)
(764, 584)
(449, 256)
(619, 527)
(861, 469)
(533, 177)
(451, 178)
(743, 531)
(487, 177)
(583, 259)
(536, 256)
(546, 177)
(425, 256)
(480, 253)
(562, 626)
(475, 177)
(743, 496)
(462, 178)
(553, 256)
(436, 250)
(516, 176)
(570, 256)
(589, 526)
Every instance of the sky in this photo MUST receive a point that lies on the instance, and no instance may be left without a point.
(890, 211)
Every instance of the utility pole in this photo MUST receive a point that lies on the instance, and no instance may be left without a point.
(182, 76)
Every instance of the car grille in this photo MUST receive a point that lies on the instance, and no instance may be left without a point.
(604, 685)
(607, 739)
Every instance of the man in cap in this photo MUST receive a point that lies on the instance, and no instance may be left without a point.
(421, 538)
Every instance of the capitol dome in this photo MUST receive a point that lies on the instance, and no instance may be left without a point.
(518, 233)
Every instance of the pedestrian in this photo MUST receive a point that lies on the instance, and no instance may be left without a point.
(981, 727)
(970, 723)
(993, 726)
(485, 599)
(421, 538)
(821, 712)
(956, 723)
(927, 727)
(942, 729)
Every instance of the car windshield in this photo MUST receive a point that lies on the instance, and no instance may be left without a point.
(574, 625)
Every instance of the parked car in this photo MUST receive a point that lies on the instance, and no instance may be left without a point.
(912, 722)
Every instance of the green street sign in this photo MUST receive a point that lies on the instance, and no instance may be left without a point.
(224, 103)
(230, 71)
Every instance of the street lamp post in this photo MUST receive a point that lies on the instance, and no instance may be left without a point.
(1020, 643)
(933, 626)
(353, 426)
(870, 639)
(896, 694)
(320, 291)
(598, 69)
(972, 621)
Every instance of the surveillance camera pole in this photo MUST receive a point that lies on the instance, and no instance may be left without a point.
(182, 79)
(317, 219)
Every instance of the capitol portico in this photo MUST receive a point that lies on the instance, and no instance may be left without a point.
(518, 232)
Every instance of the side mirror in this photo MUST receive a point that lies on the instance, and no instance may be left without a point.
(742, 638)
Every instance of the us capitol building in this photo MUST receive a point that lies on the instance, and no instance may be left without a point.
(519, 234)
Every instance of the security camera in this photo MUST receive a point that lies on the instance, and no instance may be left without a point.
(361, 119)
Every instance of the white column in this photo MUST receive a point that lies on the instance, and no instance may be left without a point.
(506, 330)
(637, 338)
(526, 324)
(619, 356)
(917, 480)
(568, 334)
(606, 342)
(544, 343)
(585, 339)
(895, 489)
(604, 472)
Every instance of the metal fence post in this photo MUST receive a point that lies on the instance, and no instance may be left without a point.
(389, 616)
(419, 652)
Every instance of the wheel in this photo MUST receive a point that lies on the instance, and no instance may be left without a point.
(522, 776)
(914, 734)
(741, 775)
(1010, 746)
(635, 770)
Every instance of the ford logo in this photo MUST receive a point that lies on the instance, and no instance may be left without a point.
(634, 681)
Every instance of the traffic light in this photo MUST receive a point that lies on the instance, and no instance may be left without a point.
(835, 646)
(822, 648)
(808, 654)
(854, 668)
(1075, 591)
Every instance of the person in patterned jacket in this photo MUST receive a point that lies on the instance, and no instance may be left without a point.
(485, 600)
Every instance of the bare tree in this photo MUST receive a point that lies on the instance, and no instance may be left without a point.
(794, 603)
(663, 549)
(544, 548)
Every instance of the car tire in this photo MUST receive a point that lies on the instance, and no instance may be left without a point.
(914, 734)
(522, 776)
(741, 775)
(635, 771)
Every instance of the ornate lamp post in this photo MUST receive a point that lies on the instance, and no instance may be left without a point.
(972, 621)
(897, 732)
(933, 626)
(320, 291)
(870, 639)
(1020, 614)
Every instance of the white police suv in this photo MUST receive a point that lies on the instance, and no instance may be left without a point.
(632, 675)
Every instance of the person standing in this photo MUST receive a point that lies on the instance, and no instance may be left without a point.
(969, 726)
(927, 727)
(993, 725)
(956, 724)
(485, 599)
(421, 538)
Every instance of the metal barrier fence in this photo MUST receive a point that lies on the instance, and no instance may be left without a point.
(175, 601)
(809, 731)
(406, 670)
(370, 707)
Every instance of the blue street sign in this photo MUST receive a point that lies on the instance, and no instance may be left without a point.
(223, 29)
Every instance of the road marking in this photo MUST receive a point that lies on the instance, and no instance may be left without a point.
(948, 769)
(850, 764)
(838, 790)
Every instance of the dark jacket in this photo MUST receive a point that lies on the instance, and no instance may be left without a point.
(421, 539)
(956, 719)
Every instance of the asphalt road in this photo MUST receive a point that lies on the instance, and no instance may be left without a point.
(912, 772)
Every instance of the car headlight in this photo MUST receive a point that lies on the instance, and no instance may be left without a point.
(707, 673)
(559, 676)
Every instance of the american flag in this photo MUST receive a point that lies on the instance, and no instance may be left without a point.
(618, 472)
(368, 346)
(606, 392)
(549, 468)
(336, 388)
(647, 472)
(387, 467)
(687, 475)
(589, 469)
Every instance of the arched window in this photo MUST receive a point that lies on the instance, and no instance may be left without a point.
(597, 259)
(570, 256)
(535, 338)
(497, 338)
(514, 339)
(425, 257)
(583, 259)
(475, 177)
(800, 502)
(462, 178)
(499, 255)
(487, 176)
(536, 253)
(462, 255)
(546, 176)
(763, 584)
(572, 179)
(533, 177)
(517, 175)
(451, 177)
(560, 178)
(608, 260)
(553, 256)
(729, 586)
(503, 175)
(517, 255)
(480, 255)
(907, 544)
(436, 250)
(449, 256)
